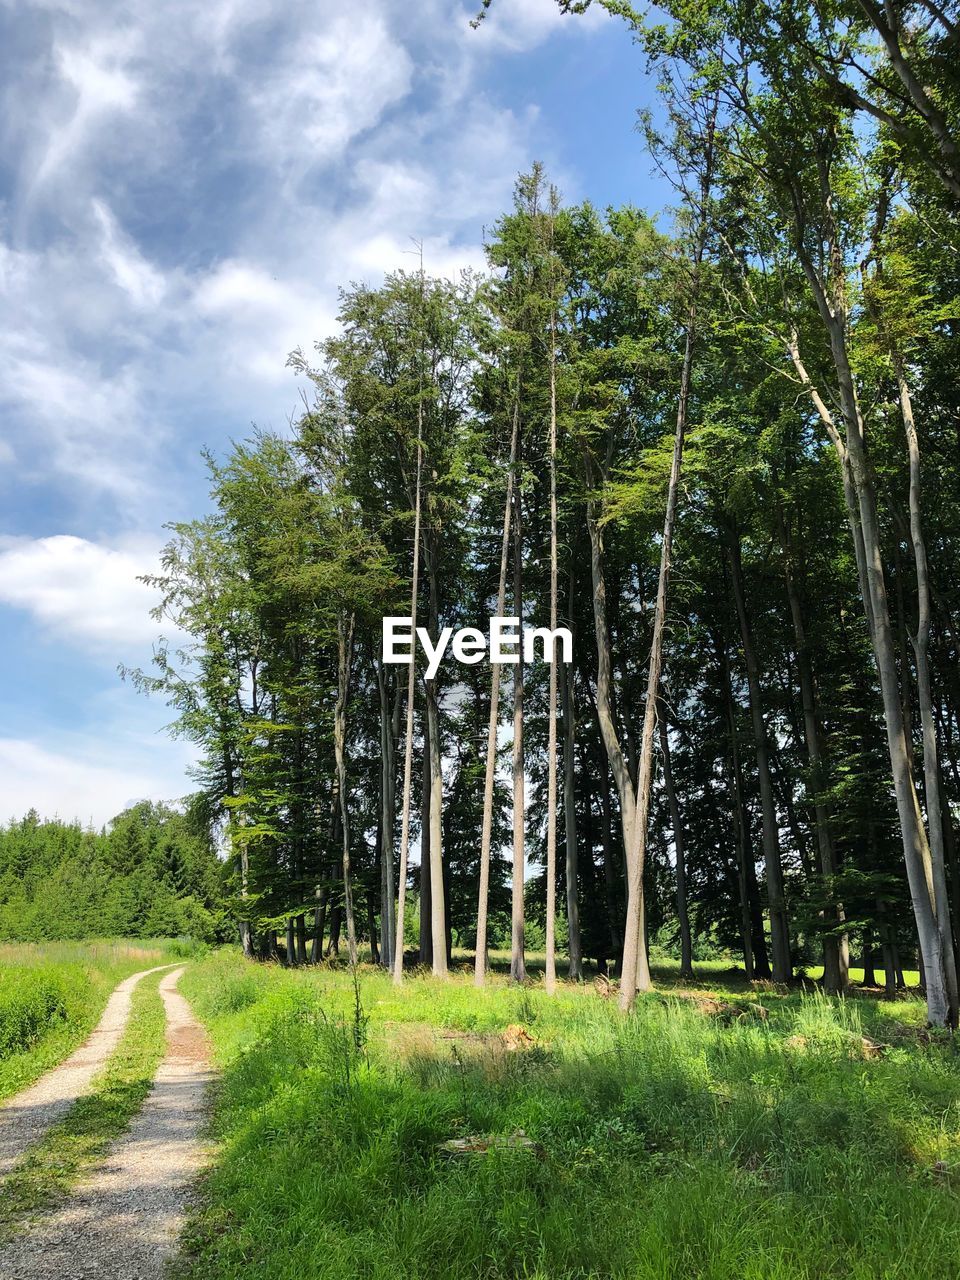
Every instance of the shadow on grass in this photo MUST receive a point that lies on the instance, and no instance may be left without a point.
(670, 1143)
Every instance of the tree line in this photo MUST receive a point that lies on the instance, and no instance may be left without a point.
(723, 455)
(152, 872)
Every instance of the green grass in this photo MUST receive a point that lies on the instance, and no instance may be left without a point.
(73, 1146)
(52, 995)
(696, 1138)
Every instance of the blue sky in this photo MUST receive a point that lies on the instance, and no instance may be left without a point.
(183, 186)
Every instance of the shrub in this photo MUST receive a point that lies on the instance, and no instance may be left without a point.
(32, 1001)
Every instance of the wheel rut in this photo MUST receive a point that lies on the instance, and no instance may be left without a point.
(122, 1221)
(26, 1117)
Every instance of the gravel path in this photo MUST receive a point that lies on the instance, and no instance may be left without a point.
(123, 1221)
(26, 1116)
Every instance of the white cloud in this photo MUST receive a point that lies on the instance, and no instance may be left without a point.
(334, 84)
(194, 182)
(92, 780)
(521, 24)
(83, 593)
(143, 284)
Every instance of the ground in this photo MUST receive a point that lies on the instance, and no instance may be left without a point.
(723, 1130)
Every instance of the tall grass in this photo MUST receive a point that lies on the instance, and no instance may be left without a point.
(51, 996)
(48, 1170)
(761, 1136)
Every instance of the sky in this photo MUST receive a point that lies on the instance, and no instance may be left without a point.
(184, 186)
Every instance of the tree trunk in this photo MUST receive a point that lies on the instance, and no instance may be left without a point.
(426, 862)
(438, 918)
(869, 977)
(344, 657)
(635, 973)
(779, 928)
(686, 945)
(611, 870)
(921, 648)
(551, 869)
(860, 495)
(741, 822)
(836, 948)
(518, 969)
(575, 969)
(319, 926)
(372, 929)
(336, 924)
(408, 740)
(615, 757)
(389, 716)
(483, 895)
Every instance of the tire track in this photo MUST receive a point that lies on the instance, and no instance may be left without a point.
(122, 1222)
(25, 1117)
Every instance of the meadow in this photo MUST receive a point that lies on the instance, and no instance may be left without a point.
(53, 993)
(723, 1131)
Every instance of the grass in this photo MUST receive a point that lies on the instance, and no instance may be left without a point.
(733, 1134)
(75, 1145)
(52, 995)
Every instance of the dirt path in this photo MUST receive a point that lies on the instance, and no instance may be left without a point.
(122, 1222)
(26, 1116)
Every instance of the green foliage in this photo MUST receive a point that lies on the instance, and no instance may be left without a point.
(31, 1004)
(676, 1142)
(152, 873)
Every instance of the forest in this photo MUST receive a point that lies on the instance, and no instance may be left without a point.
(639, 963)
(720, 447)
(154, 872)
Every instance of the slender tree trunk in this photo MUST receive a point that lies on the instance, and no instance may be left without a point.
(869, 976)
(518, 969)
(246, 936)
(889, 961)
(372, 929)
(740, 817)
(551, 870)
(344, 657)
(779, 929)
(319, 926)
(612, 883)
(483, 896)
(836, 948)
(860, 495)
(408, 740)
(928, 725)
(575, 970)
(388, 723)
(608, 733)
(336, 925)
(686, 944)
(438, 916)
(635, 973)
(290, 949)
(426, 862)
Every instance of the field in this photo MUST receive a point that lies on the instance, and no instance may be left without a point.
(51, 995)
(722, 1131)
